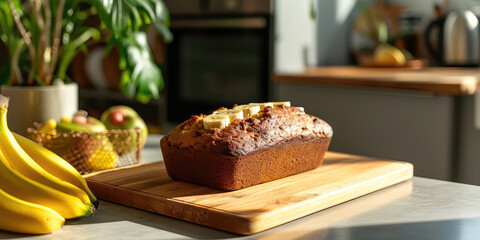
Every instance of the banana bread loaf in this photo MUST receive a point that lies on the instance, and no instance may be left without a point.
(267, 144)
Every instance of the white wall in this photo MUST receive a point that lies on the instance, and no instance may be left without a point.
(294, 36)
(300, 42)
(334, 21)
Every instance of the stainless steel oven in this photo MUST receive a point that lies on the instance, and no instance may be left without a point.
(221, 55)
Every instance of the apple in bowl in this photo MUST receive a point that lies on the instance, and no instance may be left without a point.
(125, 118)
(90, 146)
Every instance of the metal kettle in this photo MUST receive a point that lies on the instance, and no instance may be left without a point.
(458, 39)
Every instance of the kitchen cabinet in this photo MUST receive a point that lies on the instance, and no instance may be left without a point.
(400, 125)
(469, 140)
(423, 117)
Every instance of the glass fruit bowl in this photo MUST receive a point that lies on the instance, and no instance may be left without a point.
(92, 151)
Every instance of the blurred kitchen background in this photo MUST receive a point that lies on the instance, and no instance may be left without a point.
(239, 51)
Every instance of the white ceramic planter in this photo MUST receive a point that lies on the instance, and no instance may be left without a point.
(38, 104)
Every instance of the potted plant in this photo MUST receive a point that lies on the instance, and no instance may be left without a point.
(42, 38)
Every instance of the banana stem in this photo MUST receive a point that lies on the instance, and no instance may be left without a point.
(4, 100)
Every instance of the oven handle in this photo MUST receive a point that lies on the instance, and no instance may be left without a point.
(238, 23)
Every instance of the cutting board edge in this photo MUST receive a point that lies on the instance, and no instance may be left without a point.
(86, 176)
(405, 173)
(234, 219)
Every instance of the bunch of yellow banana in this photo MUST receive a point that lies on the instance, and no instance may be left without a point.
(38, 189)
(223, 118)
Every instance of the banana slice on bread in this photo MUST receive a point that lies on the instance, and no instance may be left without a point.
(231, 113)
(287, 103)
(248, 110)
(223, 118)
(215, 121)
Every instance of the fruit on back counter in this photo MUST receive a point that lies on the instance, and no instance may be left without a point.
(35, 195)
(123, 117)
(389, 56)
(96, 150)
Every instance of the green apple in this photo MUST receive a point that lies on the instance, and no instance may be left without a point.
(123, 117)
(81, 123)
(95, 152)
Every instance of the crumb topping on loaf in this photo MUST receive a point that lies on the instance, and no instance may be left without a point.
(270, 127)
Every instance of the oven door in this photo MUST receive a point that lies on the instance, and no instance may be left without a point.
(216, 62)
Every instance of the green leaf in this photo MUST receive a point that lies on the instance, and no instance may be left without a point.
(141, 78)
(38, 80)
(72, 48)
(135, 19)
(111, 43)
(127, 19)
(8, 33)
(126, 85)
(162, 21)
(162, 12)
(123, 17)
(104, 9)
(119, 18)
(165, 32)
(67, 57)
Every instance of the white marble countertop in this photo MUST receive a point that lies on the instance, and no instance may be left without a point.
(416, 209)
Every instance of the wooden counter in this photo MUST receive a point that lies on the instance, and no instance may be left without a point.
(452, 81)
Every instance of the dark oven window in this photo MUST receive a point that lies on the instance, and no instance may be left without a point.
(210, 68)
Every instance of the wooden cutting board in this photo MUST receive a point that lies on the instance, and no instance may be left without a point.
(341, 178)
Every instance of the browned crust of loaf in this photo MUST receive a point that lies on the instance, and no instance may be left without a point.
(226, 172)
(271, 127)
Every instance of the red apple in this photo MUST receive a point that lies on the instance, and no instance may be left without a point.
(123, 117)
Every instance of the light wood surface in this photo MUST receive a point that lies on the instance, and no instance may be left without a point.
(452, 81)
(341, 178)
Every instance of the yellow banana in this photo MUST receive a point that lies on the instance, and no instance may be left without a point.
(19, 186)
(23, 163)
(55, 165)
(25, 217)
